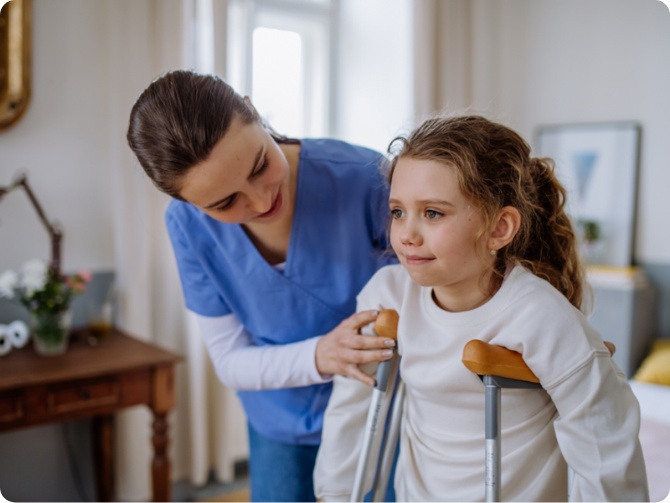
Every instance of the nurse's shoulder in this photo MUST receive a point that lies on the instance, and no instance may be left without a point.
(181, 216)
(340, 153)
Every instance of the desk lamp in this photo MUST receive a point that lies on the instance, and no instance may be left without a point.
(55, 234)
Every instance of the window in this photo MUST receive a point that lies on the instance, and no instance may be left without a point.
(281, 54)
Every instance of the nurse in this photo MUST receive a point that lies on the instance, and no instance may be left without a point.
(274, 238)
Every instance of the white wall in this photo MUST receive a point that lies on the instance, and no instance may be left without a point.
(539, 62)
(375, 77)
(62, 141)
(92, 59)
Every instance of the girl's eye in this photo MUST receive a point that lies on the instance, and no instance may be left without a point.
(396, 213)
(228, 203)
(263, 167)
(431, 214)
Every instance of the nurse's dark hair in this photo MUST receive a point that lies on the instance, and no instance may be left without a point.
(176, 122)
(495, 169)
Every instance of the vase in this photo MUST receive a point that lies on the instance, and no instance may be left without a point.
(51, 332)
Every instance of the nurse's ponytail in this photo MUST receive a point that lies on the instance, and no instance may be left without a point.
(176, 122)
(495, 170)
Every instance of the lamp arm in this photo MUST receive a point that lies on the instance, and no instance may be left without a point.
(54, 234)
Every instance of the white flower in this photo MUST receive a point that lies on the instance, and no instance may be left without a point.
(35, 267)
(34, 276)
(8, 281)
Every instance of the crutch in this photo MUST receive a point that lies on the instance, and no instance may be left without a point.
(498, 368)
(386, 325)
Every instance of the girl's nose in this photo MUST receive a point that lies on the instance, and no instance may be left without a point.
(410, 236)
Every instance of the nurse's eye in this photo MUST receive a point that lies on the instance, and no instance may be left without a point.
(432, 214)
(397, 214)
(229, 202)
(262, 167)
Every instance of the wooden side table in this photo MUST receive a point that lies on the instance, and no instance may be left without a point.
(93, 382)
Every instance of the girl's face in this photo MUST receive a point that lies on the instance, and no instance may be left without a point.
(245, 178)
(434, 227)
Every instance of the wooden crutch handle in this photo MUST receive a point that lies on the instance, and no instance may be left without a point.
(386, 324)
(487, 359)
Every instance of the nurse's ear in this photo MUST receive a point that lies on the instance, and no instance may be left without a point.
(257, 116)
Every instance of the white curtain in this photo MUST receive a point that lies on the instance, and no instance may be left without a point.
(146, 38)
(455, 68)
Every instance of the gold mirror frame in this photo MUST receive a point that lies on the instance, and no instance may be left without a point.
(15, 60)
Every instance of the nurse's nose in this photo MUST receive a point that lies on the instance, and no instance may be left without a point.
(260, 200)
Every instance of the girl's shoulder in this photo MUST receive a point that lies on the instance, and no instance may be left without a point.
(537, 302)
(530, 292)
(386, 289)
(539, 322)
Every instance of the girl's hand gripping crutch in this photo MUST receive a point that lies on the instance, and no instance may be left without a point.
(386, 325)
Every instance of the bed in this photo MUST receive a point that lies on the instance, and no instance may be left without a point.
(655, 435)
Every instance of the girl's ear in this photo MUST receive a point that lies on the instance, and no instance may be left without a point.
(253, 109)
(505, 227)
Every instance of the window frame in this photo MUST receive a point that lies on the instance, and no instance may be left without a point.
(246, 15)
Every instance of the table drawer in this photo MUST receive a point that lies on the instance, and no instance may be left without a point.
(85, 395)
(11, 408)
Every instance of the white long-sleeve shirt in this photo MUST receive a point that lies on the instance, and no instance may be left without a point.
(586, 413)
(241, 365)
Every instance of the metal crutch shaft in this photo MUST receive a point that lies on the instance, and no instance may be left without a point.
(390, 445)
(498, 368)
(386, 325)
(386, 372)
(492, 439)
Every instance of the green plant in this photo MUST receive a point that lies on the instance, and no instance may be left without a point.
(42, 290)
(590, 230)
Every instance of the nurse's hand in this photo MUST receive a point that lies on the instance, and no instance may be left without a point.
(344, 349)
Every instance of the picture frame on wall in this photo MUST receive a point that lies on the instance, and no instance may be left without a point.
(15, 60)
(598, 165)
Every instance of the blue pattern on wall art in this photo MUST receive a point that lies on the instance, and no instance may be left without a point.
(584, 164)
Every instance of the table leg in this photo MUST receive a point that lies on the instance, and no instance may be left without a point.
(160, 466)
(103, 452)
(163, 401)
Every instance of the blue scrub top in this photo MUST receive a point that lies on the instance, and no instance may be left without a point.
(338, 241)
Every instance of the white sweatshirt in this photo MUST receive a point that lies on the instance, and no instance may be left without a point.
(586, 414)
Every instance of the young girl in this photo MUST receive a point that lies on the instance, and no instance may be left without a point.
(486, 252)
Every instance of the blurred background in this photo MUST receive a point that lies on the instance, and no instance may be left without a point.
(363, 71)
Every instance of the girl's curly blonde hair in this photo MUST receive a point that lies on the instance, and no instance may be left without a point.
(495, 170)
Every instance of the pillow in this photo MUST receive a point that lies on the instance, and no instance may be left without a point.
(656, 366)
